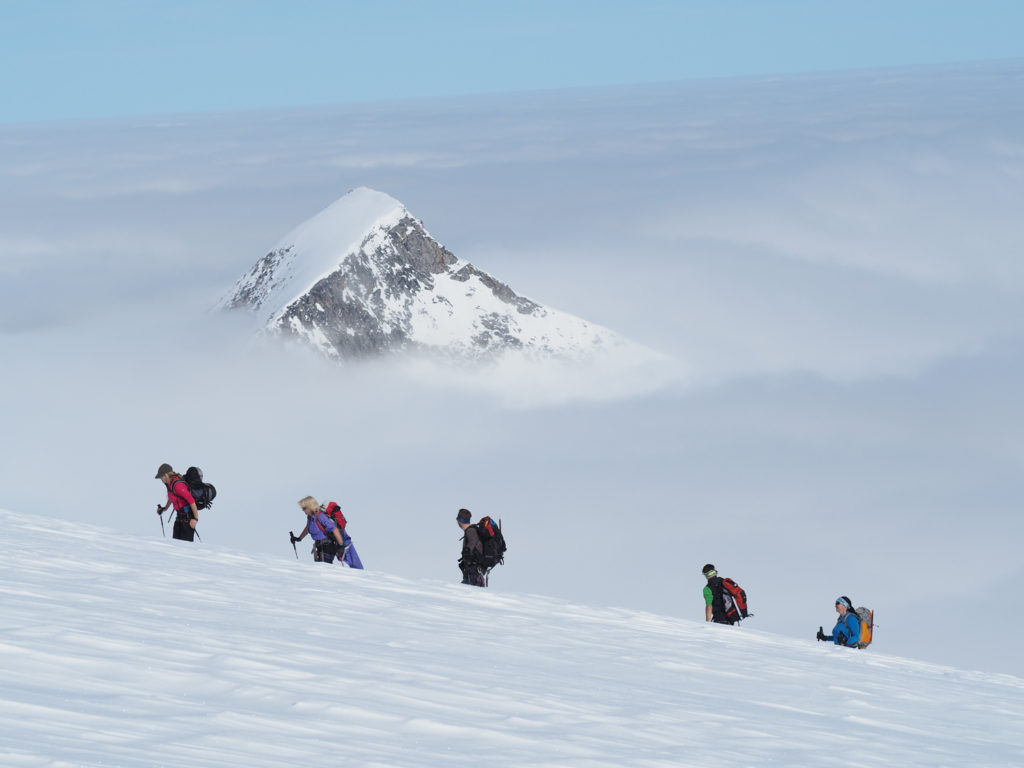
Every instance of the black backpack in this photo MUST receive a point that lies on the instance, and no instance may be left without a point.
(492, 541)
(203, 493)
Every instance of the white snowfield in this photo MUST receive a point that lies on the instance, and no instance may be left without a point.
(149, 652)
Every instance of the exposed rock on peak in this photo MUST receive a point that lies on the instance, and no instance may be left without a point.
(363, 278)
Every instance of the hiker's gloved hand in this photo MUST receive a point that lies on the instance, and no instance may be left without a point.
(821, 634)
(294, 537)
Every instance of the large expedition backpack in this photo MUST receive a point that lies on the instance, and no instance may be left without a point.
(867, 625)
(735, 600)
(203, 493)
(492, 541)
(333, 511)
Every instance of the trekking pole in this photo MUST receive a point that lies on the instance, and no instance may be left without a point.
(291, 534)
(161, 514)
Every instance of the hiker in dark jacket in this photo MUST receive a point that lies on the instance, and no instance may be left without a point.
(847, 629)
(327, 541)
(714, 602)
(472, 551)
(180, 498)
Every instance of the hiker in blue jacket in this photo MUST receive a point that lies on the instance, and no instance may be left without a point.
(847, 629)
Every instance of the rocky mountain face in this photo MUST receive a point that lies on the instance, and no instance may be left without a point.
(364, 278)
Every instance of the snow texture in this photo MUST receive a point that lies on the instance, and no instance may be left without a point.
(128, 652)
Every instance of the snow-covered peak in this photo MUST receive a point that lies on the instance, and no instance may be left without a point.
(315, 249)
(338, 230)
(363, 278)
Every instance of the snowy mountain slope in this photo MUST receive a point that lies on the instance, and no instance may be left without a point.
(142, 652)
(363, 277)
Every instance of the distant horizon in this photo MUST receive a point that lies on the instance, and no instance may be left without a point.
(484, 96)
(112, 59)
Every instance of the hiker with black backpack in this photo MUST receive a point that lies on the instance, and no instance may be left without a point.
(847, 629)
(180, 498)
(327, 539)
(483, 547)
(725, 602)
(472, 550)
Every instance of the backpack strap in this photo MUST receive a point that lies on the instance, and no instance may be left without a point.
(316, 519)
(849, 629)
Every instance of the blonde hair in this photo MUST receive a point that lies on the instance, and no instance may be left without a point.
(309, 503)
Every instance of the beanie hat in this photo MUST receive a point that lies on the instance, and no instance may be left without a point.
(464, 516)
(709, 570)
(165, 469)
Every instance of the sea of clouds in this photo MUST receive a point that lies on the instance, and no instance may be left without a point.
(831, 261)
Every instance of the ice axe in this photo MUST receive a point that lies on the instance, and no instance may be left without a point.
(292, 535)
(161, 513)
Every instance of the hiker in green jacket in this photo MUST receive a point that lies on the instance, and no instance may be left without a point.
(714, 602)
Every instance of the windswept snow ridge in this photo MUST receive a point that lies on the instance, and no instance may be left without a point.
(131, 653)
(364, 277)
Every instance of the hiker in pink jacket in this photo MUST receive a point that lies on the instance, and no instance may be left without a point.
(180, 498)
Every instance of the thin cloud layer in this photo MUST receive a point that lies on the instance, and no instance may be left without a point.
(832, 264)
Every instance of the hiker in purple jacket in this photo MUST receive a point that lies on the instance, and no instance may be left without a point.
(327, 541)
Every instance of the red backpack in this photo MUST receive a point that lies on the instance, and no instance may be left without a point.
(735, 600)
(333, 511)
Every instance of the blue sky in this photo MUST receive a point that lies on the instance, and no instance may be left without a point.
(65, 60)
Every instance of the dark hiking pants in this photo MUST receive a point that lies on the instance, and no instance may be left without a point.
(182, 530)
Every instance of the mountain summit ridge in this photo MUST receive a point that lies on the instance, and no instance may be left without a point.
(364, 278)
